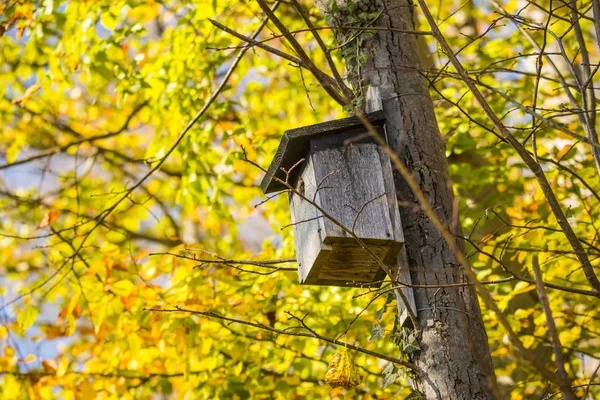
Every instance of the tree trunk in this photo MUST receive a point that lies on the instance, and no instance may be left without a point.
(455, 355)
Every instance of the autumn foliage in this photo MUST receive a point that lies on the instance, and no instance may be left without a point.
(135, 262)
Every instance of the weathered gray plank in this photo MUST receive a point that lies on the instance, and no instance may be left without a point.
(392, 200)
(349, 264)
(399, 266)
(373, 99)
(355, 195)
(400, 273)
(294, 145)
(307, 233)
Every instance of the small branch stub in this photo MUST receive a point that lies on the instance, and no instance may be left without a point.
(373, 100)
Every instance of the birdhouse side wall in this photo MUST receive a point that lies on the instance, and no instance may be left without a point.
(387, 172)
(355, 191)
(307, 224)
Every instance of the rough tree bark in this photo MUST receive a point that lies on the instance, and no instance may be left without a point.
(455, 355)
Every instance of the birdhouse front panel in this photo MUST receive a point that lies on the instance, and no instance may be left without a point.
(343, 191)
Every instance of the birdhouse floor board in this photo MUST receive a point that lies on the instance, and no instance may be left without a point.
(345, 264)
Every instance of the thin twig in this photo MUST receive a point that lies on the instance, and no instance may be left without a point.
(61, 149)
(269, 264)
(556, 345)
(256, 43)
(529, 280)
(360, 242)
(301, 222)
(526, 157)
(310, 334)
(328, 83)
(100, 218)
(336, 75)
(587, 389)
(362, 208)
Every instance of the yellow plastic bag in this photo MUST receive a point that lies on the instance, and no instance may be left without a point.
(342, 371)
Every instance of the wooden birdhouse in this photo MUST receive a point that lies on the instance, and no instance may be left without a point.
(341, 176)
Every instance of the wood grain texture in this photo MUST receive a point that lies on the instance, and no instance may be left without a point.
(354, 191)
(347, 264)
(398, 269)
(294, 145)
(355, 195)
(373, 99)
(307, 229)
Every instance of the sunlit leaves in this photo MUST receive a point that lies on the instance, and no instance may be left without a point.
(72, 71)
(26, 317)
(122, 288)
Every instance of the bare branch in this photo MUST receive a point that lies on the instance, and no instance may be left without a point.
(565, 384)
(310, 334)
(525, 156)
(60, 149)
(336, 75)
(329, 84)
(269, 264)
(256, 43)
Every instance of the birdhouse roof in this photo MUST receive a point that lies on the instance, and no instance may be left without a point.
(294, 145)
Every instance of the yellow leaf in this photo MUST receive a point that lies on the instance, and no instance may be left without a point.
(49, 366)
(237, 370)
(342, 371)
(86, 390)
(28, 94)
(109, 20)
(27, 317)
(134, 343)
(96, 266)
(122, 288)
(50, 217)
(62, 366)
(528, 341)
(71, 324)
(563, 151)
(522, 287)
(515, 174)
(68, 309)
(109, 249)
(181, 344)
(98, 317)
(28, 359)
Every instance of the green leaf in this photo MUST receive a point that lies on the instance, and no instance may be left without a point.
(390, 374)
(71, 325)
(27, 317)
(409, 343)
(377, 332)
(389, 368)
(390, 297)
(380, 312)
